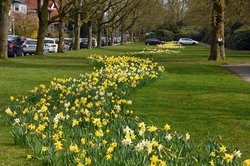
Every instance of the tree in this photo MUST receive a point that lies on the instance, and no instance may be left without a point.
(106, 14)
(4, 26)
(42, 11)
(64, 8)
(82, 13)
(148, 16)
(217, 50)
(26, 25)
(176, 10)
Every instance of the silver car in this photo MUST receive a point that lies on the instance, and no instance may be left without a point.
(29, 47)
(187, 41)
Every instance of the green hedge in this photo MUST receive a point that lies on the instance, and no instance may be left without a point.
(239, 39)
(162, 34)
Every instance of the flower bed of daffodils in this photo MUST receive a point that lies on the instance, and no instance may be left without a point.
(86, 121)
(169, 48)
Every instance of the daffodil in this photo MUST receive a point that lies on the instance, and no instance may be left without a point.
(152, 128)
(88, 160)
(246, 162)
(74, 148)
(58, 145)
(167, 127)
(154, 159)
(228, 157)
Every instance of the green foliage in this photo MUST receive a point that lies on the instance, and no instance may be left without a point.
(238, 37)
(162, 34)
(193, 32)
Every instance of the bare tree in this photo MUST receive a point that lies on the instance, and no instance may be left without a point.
(140, 15)
(107, 12)
(4, 26)
(83, 14)
(64, 8)
(176, 10)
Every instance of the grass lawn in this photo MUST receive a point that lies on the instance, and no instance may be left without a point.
(196, 96)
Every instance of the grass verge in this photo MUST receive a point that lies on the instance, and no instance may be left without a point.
(197, 96)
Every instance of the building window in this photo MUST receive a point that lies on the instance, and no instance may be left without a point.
(20, 8)
(23, 9)
(16, 8)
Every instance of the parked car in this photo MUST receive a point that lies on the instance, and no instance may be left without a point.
(94, 42)
(15, 46)
(105, 41)
(68, 43)
(187, 41)
(84, 43)
(29, 46)
(51, 43)
(153, 41)
(117, 40)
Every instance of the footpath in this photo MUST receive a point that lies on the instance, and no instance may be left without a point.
(242, 70)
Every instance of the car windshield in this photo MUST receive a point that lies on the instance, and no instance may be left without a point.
(49, 41)
(67, 40)
(33, 42)
(84, 40)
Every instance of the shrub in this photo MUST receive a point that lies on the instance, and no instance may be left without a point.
(190, 32)
(240, 39)
(162, 34)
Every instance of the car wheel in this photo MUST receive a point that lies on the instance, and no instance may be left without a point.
(15, 54)
(21, 53)
(194, 43)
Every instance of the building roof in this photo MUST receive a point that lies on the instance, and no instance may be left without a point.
(18, 1)
(32, 5)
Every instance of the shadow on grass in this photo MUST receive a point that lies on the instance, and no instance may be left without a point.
(16, 64)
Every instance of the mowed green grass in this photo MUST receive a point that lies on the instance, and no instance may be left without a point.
(195, 96)
(200, 97)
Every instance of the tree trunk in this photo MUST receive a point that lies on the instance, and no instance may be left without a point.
(61, 37)
(132, 36)
(61, 27)
(122, 36)
(77, 32)
(90, 35)
(99, 35)
(4, 27)
(112, 36)
(217, 50)
(43, 24)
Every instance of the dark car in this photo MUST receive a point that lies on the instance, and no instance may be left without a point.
(68, 43)
(15, 46)
(104, 41)
(152, 41)
(84, 43)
